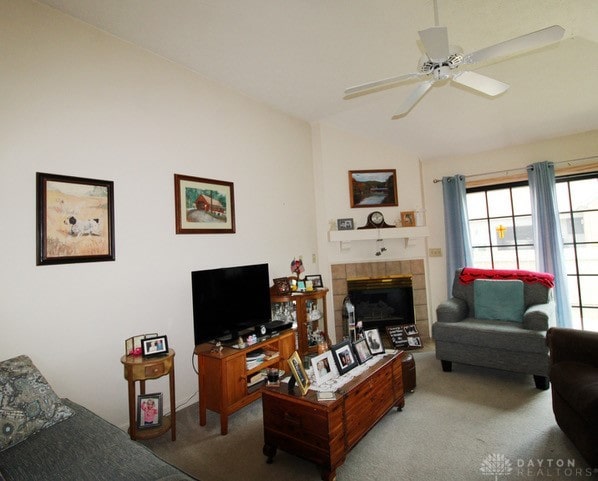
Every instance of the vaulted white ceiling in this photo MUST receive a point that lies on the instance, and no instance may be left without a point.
(299, 55)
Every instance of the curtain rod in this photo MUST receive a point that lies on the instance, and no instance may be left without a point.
(581, 159)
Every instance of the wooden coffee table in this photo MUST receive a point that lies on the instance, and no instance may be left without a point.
(325, 431)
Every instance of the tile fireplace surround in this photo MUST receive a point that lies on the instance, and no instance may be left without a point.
(415, 267)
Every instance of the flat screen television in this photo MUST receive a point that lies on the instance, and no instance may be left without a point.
(230, 301)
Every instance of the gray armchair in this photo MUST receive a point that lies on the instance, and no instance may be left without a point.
(513, 341)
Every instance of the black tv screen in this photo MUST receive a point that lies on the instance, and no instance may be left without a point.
(229, 301)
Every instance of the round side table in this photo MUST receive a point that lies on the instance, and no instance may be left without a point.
(139, 369)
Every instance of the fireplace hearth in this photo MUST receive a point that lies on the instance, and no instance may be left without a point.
(382, 301)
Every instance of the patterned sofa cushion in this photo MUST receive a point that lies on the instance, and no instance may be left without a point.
(27, 402)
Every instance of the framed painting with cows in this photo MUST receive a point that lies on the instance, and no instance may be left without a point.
(203, 206)
(75, 219)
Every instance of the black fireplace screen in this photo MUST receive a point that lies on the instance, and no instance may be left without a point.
(382, 301)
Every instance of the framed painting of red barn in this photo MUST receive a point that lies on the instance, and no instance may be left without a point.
(203, 206)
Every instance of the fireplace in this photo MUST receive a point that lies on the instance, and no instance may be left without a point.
(382, 301)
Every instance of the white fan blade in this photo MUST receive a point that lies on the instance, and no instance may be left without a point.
(357, 89)
(481, 83)
(525, 42)
(414, 97)
(435, 41)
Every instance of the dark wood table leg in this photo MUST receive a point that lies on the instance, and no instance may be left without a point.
(270, 452)
(328, 474)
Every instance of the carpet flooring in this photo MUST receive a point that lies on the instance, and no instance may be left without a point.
(469, 424)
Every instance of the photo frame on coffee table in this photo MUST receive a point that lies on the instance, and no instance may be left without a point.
(362, 351)
(372, 337)
(298, 372)
(344, 357)
(323, 367)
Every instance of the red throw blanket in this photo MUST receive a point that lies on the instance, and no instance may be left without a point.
(470, 274)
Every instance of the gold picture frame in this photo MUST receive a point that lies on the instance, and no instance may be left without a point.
(298, 372)
(408, 218)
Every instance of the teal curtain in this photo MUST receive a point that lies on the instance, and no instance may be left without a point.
(456, 227)
(548, 240)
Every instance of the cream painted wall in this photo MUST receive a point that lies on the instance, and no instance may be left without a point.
(78, 102)
(335, 153)
(513, 160)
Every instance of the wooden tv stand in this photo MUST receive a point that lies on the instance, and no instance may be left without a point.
(325, 431)
(223, 375)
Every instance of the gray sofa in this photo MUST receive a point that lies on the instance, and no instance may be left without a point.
(43, 437)
(516, 344)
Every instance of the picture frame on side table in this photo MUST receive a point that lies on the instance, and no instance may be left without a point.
(203, 206)
(372, 337)
(324, 367)
(75, 219)
(362, 351)
(154, 346)
(133, 344)
(373, 188)
(344, 356)
(149, 411)
(298, 372)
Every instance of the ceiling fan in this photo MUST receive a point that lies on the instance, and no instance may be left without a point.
(442, 62)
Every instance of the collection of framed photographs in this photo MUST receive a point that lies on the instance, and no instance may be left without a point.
(287, 285)
(146, 345)
(340, 359)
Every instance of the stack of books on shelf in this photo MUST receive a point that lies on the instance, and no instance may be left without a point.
(256, 381)
(270, 354)
(254, 359)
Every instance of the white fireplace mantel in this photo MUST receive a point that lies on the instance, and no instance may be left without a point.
(406, 233)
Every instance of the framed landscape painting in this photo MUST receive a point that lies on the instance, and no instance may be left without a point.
(75, 219)
(373, 188)
(203, 206)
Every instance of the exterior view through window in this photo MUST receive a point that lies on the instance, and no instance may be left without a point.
(500, 223)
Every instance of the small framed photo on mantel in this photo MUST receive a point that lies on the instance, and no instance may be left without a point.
(345, 224)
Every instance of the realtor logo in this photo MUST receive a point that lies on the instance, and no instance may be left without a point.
(496, 465)
(499, 465)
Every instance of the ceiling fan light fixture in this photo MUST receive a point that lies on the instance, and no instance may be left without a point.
(441, 62)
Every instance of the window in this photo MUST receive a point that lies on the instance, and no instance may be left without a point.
(500, 224)
(577, 198)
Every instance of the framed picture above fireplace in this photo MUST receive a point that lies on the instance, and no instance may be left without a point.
(373, 188)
